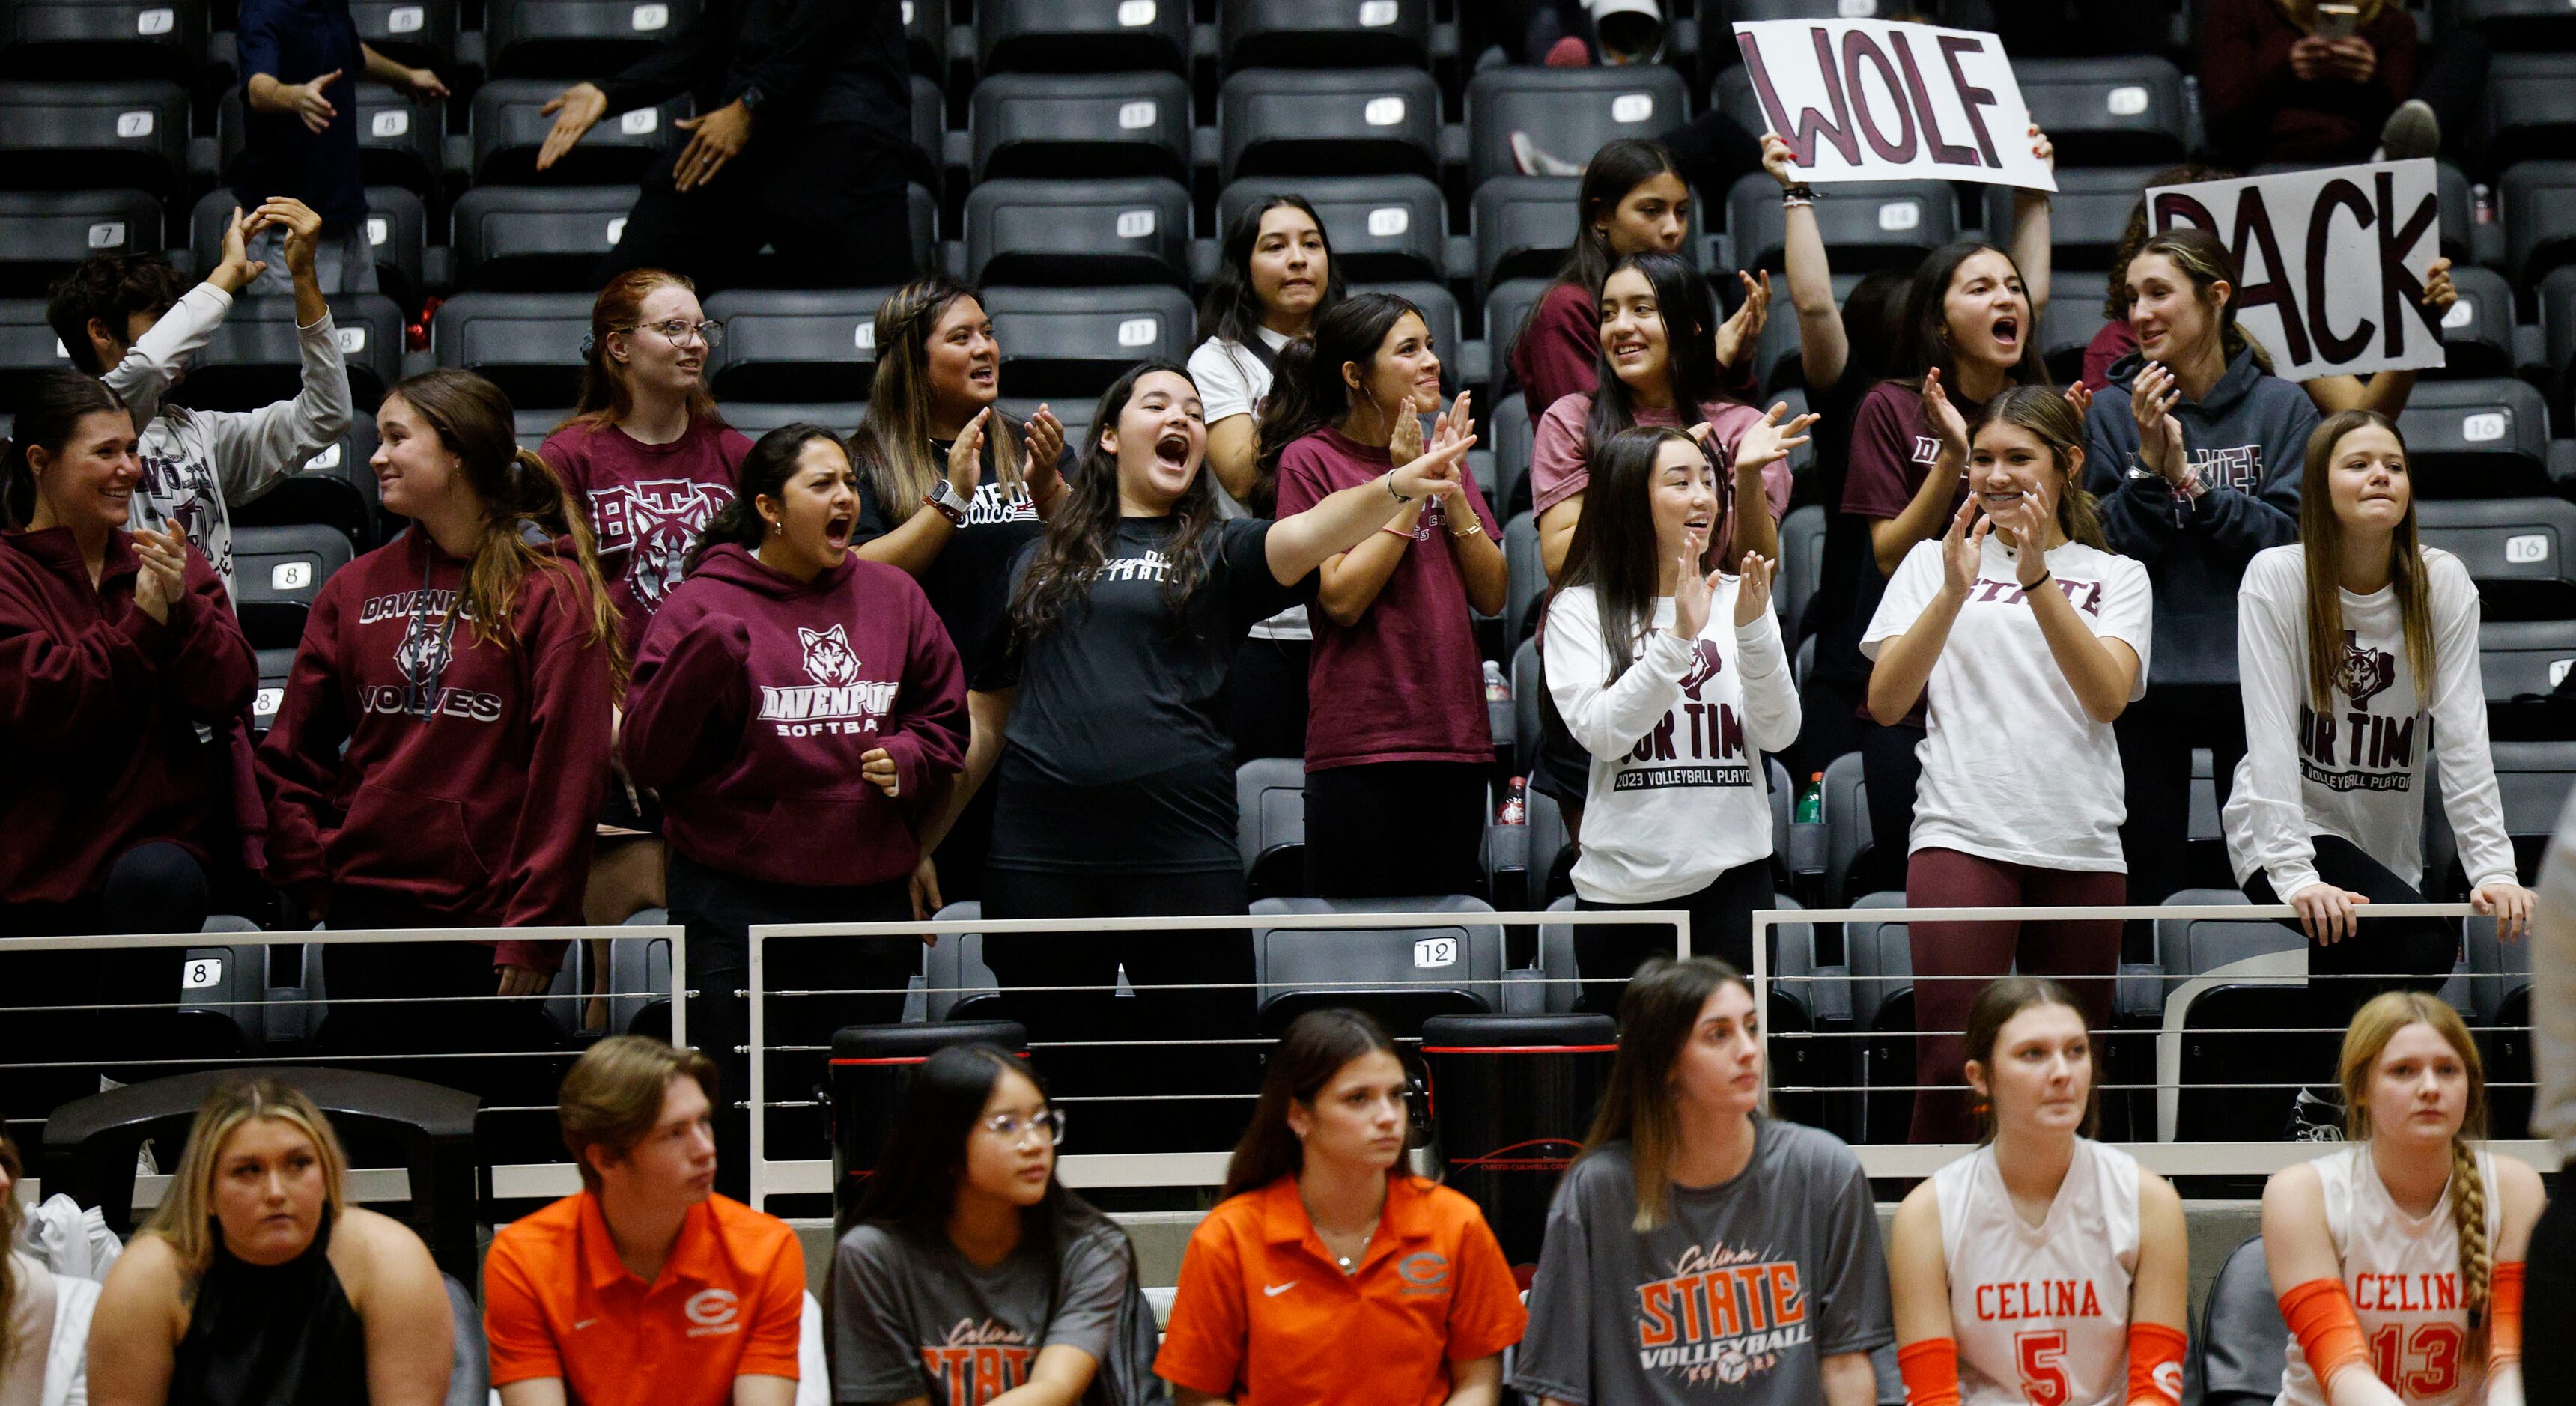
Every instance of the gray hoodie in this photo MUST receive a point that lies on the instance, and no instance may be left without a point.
(2249, 439)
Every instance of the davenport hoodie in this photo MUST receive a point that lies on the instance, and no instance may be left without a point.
(473, 772)
(100, 705)
(2249, 440)
(756, 695)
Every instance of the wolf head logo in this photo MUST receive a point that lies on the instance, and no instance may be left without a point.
(828, 657)
(2363, 674)
(423, 654)
(1705, 665)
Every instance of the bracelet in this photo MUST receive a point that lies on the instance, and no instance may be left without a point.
(1397, 532)
(1796, 197)
(2044, 578)
(1474, 528)
(1390, 488)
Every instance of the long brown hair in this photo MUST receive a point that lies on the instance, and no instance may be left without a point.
(1614, 550)
(186, 1215)
(10, 1216)
(472, 419)
(2199, 256)
(1656, 1017)
(2373, 1026)
(1077, 540)
(1996, 1005)
(2047, 414)
(607, 395)
(892, 443)
(2321, 539)
(1314, 1048)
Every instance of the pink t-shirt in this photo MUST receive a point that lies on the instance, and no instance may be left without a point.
(647, 504)
(1560, 468)
(1406, 683)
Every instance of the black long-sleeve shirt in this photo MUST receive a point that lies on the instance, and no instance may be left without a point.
(812, 61)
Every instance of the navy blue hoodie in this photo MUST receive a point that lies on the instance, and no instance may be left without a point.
(2249, 437)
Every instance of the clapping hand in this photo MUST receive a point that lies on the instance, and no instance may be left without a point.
(1944, 419)
(2152, 397)
(1753, 588)
(161, 577)
(1963, 550)
(1739, 334)
(1766, 440)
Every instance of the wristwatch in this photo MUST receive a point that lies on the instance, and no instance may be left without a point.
(943, 496)
(751, 98)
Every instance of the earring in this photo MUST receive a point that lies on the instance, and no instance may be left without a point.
(777, 527)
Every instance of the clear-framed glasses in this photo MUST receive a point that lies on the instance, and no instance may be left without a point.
(680, 329)
(1010, 1127)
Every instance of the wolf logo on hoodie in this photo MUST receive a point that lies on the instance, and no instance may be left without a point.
(828, 658)
(838, 701)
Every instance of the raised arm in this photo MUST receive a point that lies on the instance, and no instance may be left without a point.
(253, 450)
(1299, 545)
(1922, 517)
(1822, 348)
(2030, 250)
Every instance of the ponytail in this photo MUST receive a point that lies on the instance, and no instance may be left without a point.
(49, 414)
(764, 474)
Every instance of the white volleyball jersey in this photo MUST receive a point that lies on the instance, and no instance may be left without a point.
(2041, 1312)
(2404, 1278)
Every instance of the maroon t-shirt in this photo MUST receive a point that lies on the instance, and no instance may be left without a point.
(1405, 684)
(647, 504)
(1892, 449)
(2114, 341)
(1559, 350)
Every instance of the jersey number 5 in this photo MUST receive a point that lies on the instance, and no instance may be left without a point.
(2042, 1353)
(2435, 1348)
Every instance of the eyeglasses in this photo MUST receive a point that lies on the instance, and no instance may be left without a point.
(1010, 1127)
(679, 329)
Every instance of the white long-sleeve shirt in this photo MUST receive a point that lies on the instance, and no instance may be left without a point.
(1677, 794)
(2553, 993)
(199, 464)
(2358, 772)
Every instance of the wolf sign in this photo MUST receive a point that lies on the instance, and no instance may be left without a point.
(1876, 100)
(2332, 262)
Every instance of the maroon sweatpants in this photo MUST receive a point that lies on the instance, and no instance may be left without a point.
(2083, 954)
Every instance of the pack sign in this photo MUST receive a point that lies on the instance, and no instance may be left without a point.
(2333, 262)
(1876, 100)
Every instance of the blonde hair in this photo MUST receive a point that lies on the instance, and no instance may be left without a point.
(186, 1216)
(612, 1095)
(2321, 532)
(2373, 1026)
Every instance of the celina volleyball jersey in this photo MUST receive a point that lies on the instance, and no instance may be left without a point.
(2404, 1278)
(2041, 1312)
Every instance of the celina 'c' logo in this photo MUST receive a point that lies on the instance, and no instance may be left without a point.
(713, 1311)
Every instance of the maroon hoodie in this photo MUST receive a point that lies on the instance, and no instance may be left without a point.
(482, 810)
(100, 705)
(754, 698)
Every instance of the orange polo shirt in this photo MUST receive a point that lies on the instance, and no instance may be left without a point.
(1265, 1317)
(729, 1302)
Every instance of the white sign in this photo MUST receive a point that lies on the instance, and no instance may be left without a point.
(2558, 671)
(1388, 221)
(865, 339)
(2527, 549)
(1132, 13)
(155, 21)
(379, 229)
(265, 702)
(1435, 952)
(134, 124)
(1134, 115)
(352, 340)
(291, 576)
(1632, 107)
(1376, 14)
(326, 460)
(617, 229)
(392, 122)
(2333, 262)
(1876, 100)
(1383, 112)
(640, 122)
(2486, 426)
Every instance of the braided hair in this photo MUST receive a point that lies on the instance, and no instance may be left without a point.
(2372, 1028)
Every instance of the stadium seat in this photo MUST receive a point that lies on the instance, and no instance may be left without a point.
(1077, 232)
(274, 666)
(2071, 320)
(2477, 439)
(334, 488)
(2477, 331)
(1507, 308)
(756, 418)
(925, 34)
(88, 136)
(2236, 1025)
(509, 128)
(1321, 33)
(1526, 591)
(1512, 436)
(1529, 681)
(2522, 662)
(1568, 112)
(1056, 126)
(1880, 957)
(401, 140)
(956, 984)
(2515, 548)
(1802, 568)
(416, 32)
(1522, 226)
(253, 358)
(2533, 779)
(396, 230)
(2106, 112)
(2538, 202)
(2086, 217)
(576, 39)
(1075, 341)
(277, 572)
(1403, 976)
(2499, 1012)
(44, 233)
(1847, 837)
(1866, 224)
(1270, 825)
(2239, 1353)
(527, 343)
(1379, 226)
(1058, 36)
(28, 347)
(2530, 108)
(109, 39)
(535, 238)
(783, 345)
(1777, 359)
(530, 425)
(1329, 122)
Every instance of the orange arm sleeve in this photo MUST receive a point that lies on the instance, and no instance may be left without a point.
(1931, 1372)
(2319, 1313)
(2504, 1314)
(2155, 1364)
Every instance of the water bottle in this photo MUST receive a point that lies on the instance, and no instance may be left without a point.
(1515, 807)
(1497, 688)
(1811, 802)
(2482, 203)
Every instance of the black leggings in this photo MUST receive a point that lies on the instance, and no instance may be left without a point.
(2156, 736)
(155, 887)
(1890, 771)
(719, 910)
(2385, 954)
(1721, 926)
(1395, 829)
(2549, 1296)
(829, 197)
(1265, 699)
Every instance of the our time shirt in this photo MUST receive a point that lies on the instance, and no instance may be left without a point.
(913, 1317)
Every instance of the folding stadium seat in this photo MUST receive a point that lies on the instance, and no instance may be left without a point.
(89, 136)
(2531, 107)
(274, 666)
(334, 488)
(576, 38)
(1075, 341)
(1522, 226)
(1513, 436)
(2069, 323)
(1321, 34)
(929, 153)
(2103, 112)
(1848, 844)
(509, 128)
(1802, 567)
(277, 571)
(1379, 226)
(2236, 1025)
(2533, 780)
(1076, 232)
(1526, 577)
(536, 237)
(791, 345)
(1270, 825)
(1073, 35)
(1570, 113)
(401, 140)
(528, 343)
(1881, 961)
(1052, 126)
(756, 417)
(2518, 24)
(1507, 307)
(530, 425)
(925, 35)
(2522, 663)
(28, 347)
(1403, 976)
(1329, 122)
(1866, 224)
(2477, 331)
(2538, 202)
(416, 32)
(2478, 439)
(254, 358)
(2086, 217)
(112, 39)
(44, 233)
(396, 230)
(2239, 1352)
(2515, 548)
(1529, 680)
(2499, 1011)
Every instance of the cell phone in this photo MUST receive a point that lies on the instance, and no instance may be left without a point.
(2338, 21)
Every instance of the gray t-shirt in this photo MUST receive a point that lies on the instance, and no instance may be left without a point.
(912, 1317)
(1737, 1297)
